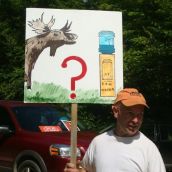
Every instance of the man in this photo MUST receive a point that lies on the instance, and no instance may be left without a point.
(125, 148)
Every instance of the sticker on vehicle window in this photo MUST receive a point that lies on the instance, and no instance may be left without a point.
(67, 124)
(50, 128)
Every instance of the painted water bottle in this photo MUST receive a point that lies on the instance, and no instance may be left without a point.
(106, 42)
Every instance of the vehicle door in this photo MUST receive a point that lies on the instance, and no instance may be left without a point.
(5, 138)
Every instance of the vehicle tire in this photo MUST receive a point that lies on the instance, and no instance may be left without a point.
(28, 166)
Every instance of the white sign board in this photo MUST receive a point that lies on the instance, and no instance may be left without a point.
(73, 56)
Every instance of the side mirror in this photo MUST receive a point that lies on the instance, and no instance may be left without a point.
(5, 130)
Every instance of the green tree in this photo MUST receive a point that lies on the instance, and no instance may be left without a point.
(147, 43)
(147, 52)
(11, 50)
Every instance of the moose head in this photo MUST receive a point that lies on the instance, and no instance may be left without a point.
(45, 38)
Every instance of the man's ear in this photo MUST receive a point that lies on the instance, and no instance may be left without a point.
(115, 110)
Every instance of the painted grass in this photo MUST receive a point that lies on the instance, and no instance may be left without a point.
(51, 93)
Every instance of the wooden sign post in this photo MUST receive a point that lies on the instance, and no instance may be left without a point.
(73, 139)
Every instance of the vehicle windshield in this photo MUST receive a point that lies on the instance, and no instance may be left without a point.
(44, 119)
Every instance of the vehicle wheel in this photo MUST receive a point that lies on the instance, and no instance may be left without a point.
(28, 166)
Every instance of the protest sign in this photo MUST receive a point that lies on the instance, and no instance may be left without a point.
(73, 56)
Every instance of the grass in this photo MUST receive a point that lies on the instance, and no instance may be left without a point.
(51, 93)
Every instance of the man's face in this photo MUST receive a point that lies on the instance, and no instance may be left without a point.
(129, 119)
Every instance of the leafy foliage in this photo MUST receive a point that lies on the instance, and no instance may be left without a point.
(147, 60)
(147, 43)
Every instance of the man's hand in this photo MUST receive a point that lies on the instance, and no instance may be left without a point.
(71, 168)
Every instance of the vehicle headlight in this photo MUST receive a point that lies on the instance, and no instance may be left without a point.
(62, 150)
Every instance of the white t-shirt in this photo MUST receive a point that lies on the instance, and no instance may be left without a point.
(110, 153)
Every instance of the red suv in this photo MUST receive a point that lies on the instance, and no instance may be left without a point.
(36, 137)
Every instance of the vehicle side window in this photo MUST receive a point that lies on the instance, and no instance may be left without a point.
(5, 120)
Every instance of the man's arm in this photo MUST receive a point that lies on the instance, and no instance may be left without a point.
(155, 161)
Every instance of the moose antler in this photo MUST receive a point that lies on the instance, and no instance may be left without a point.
(39, 26)
(66, 27)
(52, 39)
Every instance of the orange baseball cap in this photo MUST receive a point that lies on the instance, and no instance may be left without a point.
(131, 97)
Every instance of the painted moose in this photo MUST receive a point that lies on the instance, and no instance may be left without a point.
(45, 38)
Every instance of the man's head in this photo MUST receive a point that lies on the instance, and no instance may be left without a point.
(128, 109)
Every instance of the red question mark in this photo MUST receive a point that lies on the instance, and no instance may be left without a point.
(76, 78)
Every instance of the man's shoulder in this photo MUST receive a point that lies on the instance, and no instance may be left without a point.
(103, 136)
(146, 140)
